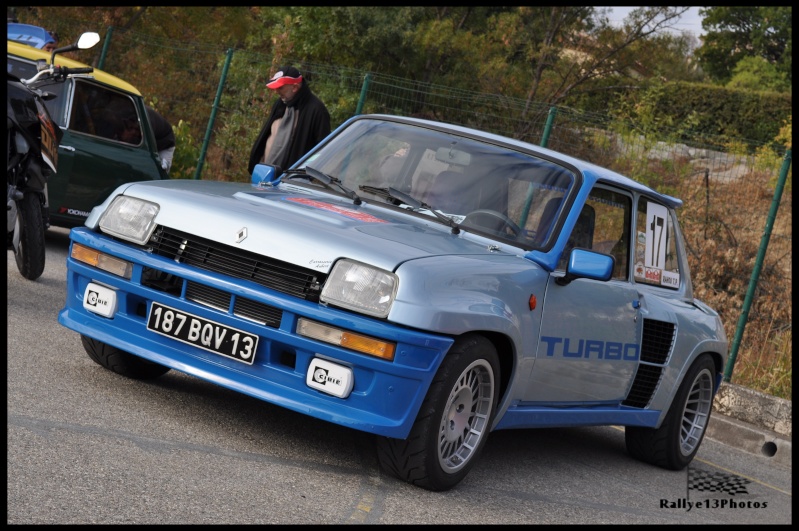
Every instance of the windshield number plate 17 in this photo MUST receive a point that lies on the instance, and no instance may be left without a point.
(202, 333)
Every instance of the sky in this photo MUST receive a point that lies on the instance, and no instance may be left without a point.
(690, 21)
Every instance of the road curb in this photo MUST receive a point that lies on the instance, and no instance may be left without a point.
(749, 438)
(755, 408)
(753, 422)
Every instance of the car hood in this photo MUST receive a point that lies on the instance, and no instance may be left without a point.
(306, 229)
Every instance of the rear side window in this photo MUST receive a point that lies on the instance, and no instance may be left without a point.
(656, 246)
(105, 113)
(21, 69)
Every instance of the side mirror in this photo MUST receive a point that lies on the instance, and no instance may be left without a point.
(86, 41)
(263, 175)
(584, 263)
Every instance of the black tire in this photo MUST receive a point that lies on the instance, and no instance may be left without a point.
(675, 443)
(121, 362)
(453, 423)
(30, 252)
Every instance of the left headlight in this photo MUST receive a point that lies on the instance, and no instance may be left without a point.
(130, 218)
(360, 287)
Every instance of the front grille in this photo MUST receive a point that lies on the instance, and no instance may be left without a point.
(257, 311)
(229, 260)
(215, 298)
(656, 343)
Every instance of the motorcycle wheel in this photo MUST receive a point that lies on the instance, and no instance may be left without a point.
(30, 252)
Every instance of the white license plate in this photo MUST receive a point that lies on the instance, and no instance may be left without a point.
(202, 333)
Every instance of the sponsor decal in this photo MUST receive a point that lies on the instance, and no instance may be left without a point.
(652, 274)
(73, 212)
(320, 264)
(670, 279)
(639, 269)
(352, 214)
(322, 376)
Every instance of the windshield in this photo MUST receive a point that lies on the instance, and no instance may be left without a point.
(484, 187)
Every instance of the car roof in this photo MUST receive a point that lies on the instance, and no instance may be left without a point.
(28, 34)
(33, 54)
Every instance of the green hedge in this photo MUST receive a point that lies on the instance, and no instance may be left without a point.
(715, 111)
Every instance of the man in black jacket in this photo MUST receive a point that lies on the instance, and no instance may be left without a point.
(298, 121)
(164, 137)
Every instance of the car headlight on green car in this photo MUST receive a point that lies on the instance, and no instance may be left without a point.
(130, 219)
(360, 287)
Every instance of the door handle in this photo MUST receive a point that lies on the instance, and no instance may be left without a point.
(67, 148)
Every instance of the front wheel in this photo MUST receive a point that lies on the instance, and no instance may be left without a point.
(675, 443)
(121, 362)
(30, 252)
(453, 423)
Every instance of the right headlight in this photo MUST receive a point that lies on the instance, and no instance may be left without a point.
(360, 287)
(130, 218)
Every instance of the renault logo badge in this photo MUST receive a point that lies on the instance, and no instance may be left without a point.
(241, 234)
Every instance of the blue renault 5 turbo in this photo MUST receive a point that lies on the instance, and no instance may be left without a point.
(423, 282)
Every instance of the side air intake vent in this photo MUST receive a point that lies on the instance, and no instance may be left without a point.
(655, 350)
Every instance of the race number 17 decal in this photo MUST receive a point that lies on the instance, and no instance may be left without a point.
(655, 251)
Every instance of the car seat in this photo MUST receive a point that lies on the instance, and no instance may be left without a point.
(449, 192)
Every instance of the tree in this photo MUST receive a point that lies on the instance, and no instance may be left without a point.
(755, 73)
(737, 32)
(551, 52)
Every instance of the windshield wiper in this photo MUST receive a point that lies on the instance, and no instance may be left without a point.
(415, 204)
(327, 180)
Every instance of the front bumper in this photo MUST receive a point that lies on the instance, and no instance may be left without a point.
(385, 397)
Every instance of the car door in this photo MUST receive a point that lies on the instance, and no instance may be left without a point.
(590, 338)
(94, 155)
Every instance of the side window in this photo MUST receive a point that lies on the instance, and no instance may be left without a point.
(25, 69)
(655, 247)
(101, 112)
(21, 69)
(604, 226)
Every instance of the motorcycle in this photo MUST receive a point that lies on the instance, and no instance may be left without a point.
(32, 139)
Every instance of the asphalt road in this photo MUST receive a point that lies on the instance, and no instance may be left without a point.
(86, 446)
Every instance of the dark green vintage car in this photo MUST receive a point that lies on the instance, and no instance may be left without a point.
(107, 139)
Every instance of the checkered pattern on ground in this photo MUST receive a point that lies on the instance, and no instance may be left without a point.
(704, 481)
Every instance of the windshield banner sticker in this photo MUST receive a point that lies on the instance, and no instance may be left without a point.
(353, 214)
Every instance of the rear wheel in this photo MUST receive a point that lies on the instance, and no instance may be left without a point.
(453, 423)
(121, 362)
(30, 252)
(675, 443)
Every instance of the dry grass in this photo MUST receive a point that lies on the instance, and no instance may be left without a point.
(724, 224)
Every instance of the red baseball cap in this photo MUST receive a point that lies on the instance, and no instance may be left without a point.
(286, 75)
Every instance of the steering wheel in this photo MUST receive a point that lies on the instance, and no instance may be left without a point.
(493, 220)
